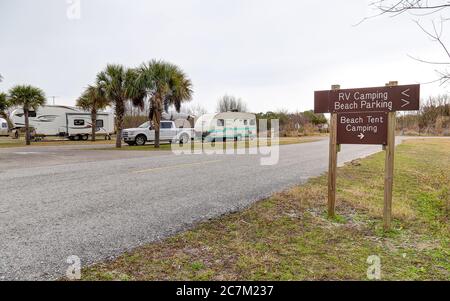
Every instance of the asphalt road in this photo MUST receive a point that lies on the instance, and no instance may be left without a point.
(61, 201)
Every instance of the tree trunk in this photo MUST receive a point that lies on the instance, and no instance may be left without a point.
(158, 111)
(94, 123)
(120, 110)
(157, 129)
(27, 127)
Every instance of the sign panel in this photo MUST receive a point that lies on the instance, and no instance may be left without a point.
(377, 99)
(362, 128)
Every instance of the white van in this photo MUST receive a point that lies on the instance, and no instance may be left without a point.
(226, 126)
(4, 130)
(64, 121)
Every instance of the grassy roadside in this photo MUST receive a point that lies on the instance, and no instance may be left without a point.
(288, 237)
(242, 144)
(8, 142)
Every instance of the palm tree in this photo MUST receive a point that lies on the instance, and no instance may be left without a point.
(27, 97)
(162, 83)
(180, 89)
(93, 100)
(116, 83)
(4, 106)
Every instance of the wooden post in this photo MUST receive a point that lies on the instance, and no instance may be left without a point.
(389, 167)
(332, 164)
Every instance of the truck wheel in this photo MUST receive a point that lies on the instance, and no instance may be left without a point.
(184, 139)
(140, 140)
(76, 138)
(85, 137)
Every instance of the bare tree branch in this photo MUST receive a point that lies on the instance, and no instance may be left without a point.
(425, 8)
(428, 62)
(402, 6)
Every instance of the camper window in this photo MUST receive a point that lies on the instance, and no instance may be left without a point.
(32, 114)
(4, 125)
(78, 122)
(99, 123)
(253, 122)
(220, 122)
(245, 122)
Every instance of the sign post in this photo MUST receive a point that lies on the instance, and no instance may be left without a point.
(365, 116)
(332, 165)
(389, 167)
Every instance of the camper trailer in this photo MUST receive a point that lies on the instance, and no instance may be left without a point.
(226, 126)
(64, 121)
(4, 131)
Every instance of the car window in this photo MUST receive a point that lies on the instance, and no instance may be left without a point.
(166, 125)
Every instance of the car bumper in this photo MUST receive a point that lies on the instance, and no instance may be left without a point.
(128, 138)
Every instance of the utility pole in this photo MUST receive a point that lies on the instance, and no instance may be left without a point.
(54, 99)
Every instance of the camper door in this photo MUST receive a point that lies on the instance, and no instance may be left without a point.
(3, 127)
(78, 124)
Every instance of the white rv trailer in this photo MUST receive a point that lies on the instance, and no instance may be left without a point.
(226, 126)
(64, 121)
(3, 127)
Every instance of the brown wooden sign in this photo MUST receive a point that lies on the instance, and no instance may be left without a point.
(362, 128)
(365, 116)
(377, 99)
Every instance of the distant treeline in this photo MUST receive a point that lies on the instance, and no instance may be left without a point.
(432, 119)
(298, 123)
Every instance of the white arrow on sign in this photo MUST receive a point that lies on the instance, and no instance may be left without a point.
(361, 136)
(405, 102)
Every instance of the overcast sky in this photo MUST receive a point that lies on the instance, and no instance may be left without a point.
(272, 53)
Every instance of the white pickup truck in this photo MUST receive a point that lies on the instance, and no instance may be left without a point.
(168, 133)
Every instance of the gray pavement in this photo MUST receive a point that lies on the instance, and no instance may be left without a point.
(61, 201)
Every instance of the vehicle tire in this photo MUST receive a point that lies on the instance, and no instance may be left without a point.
(184, 139)
(85, 137)
(76, 138)
(16, 135)
(140, 140)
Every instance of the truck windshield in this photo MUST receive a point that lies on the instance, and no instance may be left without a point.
(145, 125)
